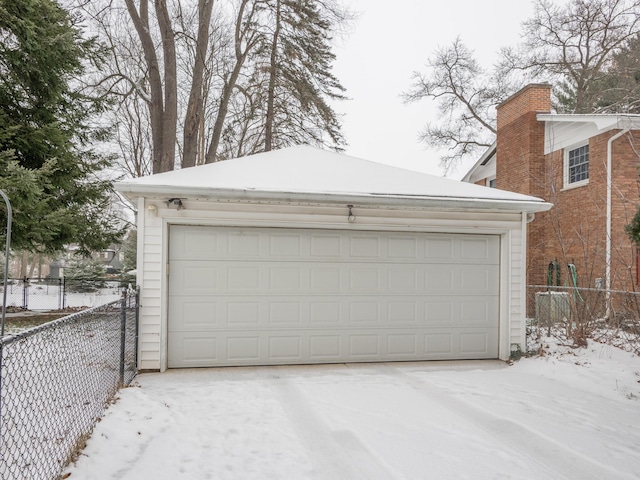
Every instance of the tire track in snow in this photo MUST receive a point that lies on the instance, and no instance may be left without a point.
(337, 455)
(555, 457)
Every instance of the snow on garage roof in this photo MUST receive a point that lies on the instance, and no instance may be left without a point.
(308, 173)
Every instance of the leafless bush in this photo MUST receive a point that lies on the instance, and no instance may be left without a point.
(574, 315)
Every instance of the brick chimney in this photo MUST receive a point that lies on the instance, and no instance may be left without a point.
(520, 140)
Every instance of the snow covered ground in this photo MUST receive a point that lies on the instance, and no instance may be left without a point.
(569, 414)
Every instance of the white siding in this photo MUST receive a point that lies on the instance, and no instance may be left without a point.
(517, 310)
(150, 279)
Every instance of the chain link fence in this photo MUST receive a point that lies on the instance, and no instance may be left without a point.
(59, 293)
(56, 381)
(577, 314)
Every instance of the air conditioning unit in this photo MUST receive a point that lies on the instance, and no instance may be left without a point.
(552, 307)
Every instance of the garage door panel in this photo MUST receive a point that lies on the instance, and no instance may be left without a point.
(285, 313)
(324, 347)
(190, 277)
(404, 280)
(438, 344)
(243, 312)
(364, 312)
(440, 249)
(401, 345)
(461, 310)
(286, 245)
(469, 249)
(288, 278)
(194, 313)
(478, 279)
(193, 350)
(273, 296)
(478, 249)
(194, 243)
(402, 247)
(364, 279)
(243, 278)
(460, 343)
(364, 246)
(242, 245)
(477, 312)
(243, 348)
(474, 343)
(467, 279)
(218, 312)
(403, 312)
(325, 312)
(325, 279)
(283, 347)
(326, 246)
(364, 346)
(286, 347)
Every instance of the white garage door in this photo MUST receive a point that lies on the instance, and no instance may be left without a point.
(258, 296)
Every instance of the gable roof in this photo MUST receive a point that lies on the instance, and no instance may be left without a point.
(484, 166)
(304, 173)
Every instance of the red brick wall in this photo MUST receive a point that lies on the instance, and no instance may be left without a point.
(520, 161)
(532, 98)
(574, 230)
(576, 225)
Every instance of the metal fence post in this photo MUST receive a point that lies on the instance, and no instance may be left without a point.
(60, 294)
(2, 435)
(123, 327)
(25, 293)
(135, 343)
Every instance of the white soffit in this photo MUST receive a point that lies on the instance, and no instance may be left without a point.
(304, 173)
(563, 131)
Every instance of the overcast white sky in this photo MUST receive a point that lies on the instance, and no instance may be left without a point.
(390, 41)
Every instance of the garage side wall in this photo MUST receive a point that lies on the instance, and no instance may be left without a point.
(154, 220)
(517, 289)
(150, 273)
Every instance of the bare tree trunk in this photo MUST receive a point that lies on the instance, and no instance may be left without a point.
(196, 105)
(23, 264)
(271, 91)
(170, 117)
(155, 102)
(32, 267)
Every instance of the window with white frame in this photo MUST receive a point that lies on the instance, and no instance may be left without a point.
(491, 182)
(576, 166)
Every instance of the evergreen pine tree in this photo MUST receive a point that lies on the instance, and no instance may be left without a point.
(48, 167)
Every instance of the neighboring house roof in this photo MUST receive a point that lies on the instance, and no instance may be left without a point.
(304, 173)
(562, 131)
(484, 167)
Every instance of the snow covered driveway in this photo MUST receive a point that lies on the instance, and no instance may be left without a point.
(570, 416)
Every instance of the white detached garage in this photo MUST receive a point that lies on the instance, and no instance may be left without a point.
(304, 256)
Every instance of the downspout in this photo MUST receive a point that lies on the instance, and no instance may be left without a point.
(608, 238)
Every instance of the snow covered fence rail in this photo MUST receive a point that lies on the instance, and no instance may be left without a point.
(55, 382)
(60, 293)
(578, 313)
